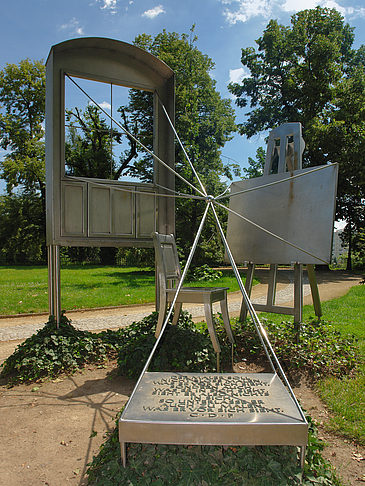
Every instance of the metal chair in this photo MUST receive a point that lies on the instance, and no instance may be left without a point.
(169, 274)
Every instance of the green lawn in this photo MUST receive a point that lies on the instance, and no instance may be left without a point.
(344, 397)
(24, 289)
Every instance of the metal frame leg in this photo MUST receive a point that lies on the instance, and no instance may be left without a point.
(298, 296)
(54, 282)
(314, 290)
(177, 311)
(211, 328)
(225, 316)
(161, 314)
(210, 324)
(271, 291)
(123, 453)
(302, 454)
(248, 287)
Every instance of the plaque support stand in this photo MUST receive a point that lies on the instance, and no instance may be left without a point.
(270, 306)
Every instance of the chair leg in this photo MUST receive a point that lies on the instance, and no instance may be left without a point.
(211, 328)
(177, 311)
(161, 314)
(227, 324)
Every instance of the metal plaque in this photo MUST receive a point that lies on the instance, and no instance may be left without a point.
(300, 211)
(212, 408)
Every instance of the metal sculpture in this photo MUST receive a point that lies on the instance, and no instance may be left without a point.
(178, 408)
(284, 217)
(101, 212)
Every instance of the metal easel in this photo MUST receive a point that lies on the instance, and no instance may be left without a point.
(284, 154)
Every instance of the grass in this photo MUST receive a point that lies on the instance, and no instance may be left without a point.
(24, 289)
(256, 466)
(345, 396)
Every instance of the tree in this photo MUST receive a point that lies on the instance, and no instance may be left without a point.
(294, 70)
(204, 122)
(21, 228)
(22, 112)
(340, 135)
(308, 72)
(88, 146)
(22, 100)
(255, 167)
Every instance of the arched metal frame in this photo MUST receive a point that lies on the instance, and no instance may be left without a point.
(74, 215)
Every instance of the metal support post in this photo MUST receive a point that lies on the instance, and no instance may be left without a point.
(314, 290)
(54, 282)
(298, 296)
(248, 287)
(50, 281)
(303, 450)
(271, 292)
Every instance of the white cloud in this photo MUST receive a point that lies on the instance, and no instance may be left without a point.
(73, 26)
(153, 12)
(246, 9)
(243, 10)
(236, 75)
(109, 5)
(297, 5)
(105, 105)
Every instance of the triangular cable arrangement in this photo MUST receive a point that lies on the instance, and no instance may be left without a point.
(210, 202)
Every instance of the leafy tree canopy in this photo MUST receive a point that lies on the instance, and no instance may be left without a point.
(309, 72)
(255, 167)
(294, 70)
(22, 105)
(204, 122)
(22, 112)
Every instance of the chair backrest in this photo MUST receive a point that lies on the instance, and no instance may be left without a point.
(168, 266)
(284, 149)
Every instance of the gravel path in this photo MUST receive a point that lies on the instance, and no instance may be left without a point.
(98, 321)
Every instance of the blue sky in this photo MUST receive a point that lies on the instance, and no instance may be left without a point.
(29, 28)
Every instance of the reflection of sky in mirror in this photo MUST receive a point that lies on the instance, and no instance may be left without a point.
(110, 98)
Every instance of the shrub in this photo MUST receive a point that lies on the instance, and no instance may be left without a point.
(321, 351)
(182, 347)
(51, 351)
(180, 465)
(204, 274)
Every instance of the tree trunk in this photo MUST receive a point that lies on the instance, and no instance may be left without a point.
(349, 255)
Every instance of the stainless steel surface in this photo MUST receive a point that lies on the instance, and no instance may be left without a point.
(54, 287)
(270, 353)
(211, 398)
(301, 211)
(74, 208)
(212, 408)
(188, 262)
(284, 149)
(76, 212)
